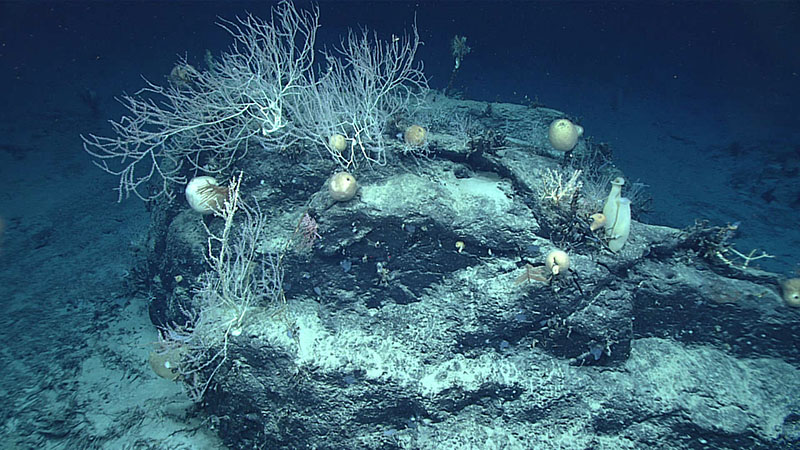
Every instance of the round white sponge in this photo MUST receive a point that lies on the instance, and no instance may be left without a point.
(564, 134)
(342, 186)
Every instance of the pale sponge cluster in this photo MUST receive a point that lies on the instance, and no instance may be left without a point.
(617, 212)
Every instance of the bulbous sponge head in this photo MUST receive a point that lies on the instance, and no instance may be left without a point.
(598, 221)
(205, 195)
(564, 134)
(557, 262)
(415, 136)
(337, 143)
(791, 292)
(342, 186)
(166, 363)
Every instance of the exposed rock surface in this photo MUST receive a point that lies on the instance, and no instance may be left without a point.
(392, 337)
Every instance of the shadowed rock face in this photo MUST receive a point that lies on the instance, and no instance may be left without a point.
(392, 337)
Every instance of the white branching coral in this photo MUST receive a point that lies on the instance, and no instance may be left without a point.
(558, 188)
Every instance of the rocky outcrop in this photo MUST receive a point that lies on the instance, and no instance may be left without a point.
(392, 336)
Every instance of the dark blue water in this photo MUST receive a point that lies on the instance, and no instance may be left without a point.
(673, 87)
